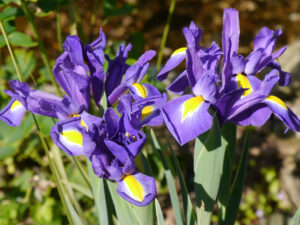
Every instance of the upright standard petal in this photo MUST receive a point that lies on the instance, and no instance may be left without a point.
(230, 40)
(187, 117)
(116, 69)
(137, 189)
(13, 113)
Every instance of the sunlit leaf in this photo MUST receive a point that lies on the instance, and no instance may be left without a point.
(208, 165)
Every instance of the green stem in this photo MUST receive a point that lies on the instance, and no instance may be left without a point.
(93, 17)
(165, 35)
(41, 46)
(58, 27)
(73, 24)
(82, 172)
(44, 143)
(10, 51)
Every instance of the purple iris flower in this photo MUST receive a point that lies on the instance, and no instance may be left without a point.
(70, 72)
(111, 144)
(187, 116)
(245, 99)
(262, 55)
(115, 86)
(143, 112)
(209, 58)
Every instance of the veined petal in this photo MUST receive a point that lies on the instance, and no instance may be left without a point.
(116, 69)
(140, 91)
(179, 84)
(230, 40)
(13, 113)
(187, 117)
(280, 109)
(112, 122)
(71, 136)
(175, 59)
(137, 189)
(256, 115)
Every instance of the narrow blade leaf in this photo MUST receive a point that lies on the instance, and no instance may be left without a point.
(187, 204)
(237, 188)
(170, 181)
(208, 165)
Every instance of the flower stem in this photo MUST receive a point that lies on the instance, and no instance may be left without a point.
(165, 34)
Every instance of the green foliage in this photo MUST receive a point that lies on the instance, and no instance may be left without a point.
(208, 165)
(26, 61)
(10, 13)
(110, 8)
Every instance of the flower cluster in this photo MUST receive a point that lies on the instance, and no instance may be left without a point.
(222, 83)
(110, 142)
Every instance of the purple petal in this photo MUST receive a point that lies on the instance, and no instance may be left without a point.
(175, 59)
(194, 67)
(13, 113)
(112, 122)
(187, 117)
(256, 115)
(71, 136)
(266, 39)
(281, 111)
(230, 39)
(116, 69)
(285, 77)
(206, 86)
(140, 91)
(137, 189)
(179, 84)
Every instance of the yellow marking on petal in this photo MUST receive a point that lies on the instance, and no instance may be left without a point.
(191, 105)
(147, 111)
(134, 187)
(243, 82)
(277, 101)
(15, 105)
(127, 134)
(73, 136)
(74, 115)
(142, 91)
(180, 50)
(82, 123)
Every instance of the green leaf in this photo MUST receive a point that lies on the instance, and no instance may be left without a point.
(74, 215)
(45, 124)
(208, 165)
(20, 39)
(10, 13)
(296, 218)
(48, 6)
(159, 214)
(187, 204)
(228, 132)
(170, 180)
(110, 8)
(237, 188)
(101, 197)
(6, 2)
(26, 62)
